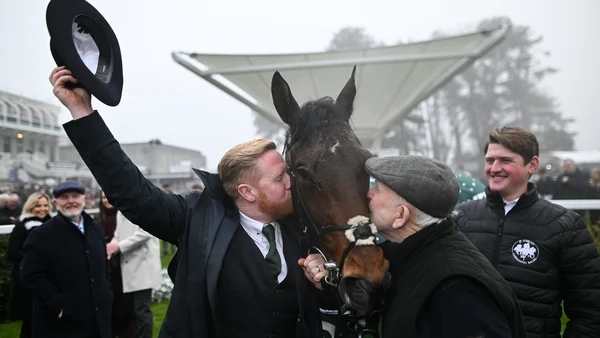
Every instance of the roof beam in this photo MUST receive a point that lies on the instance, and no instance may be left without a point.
(335, 63)
(188, 65)
(481, 50)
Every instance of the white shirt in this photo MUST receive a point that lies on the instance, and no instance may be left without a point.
(509, 205)
(79, 225)
(254, 230)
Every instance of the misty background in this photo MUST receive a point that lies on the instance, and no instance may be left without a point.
(545, 76)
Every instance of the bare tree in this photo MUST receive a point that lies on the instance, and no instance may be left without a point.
(349, 38)
(502, 88)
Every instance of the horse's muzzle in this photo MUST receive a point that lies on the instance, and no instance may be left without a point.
(363, 295)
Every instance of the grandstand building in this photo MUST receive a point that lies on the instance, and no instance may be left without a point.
(34, 149)
(160, 163)
(30, 137)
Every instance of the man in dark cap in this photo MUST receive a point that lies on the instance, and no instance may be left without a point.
(441, 285)
(65, 269)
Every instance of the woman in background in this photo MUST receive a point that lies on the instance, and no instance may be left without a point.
(36, 211)
(123, 310)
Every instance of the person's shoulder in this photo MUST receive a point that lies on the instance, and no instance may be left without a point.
(87, 218)
(555, 213)
(49, 225)
(470, 210)
(44, 231)
(472, 205)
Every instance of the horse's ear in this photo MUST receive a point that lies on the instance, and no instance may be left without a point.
(284, 101)
(345, 100)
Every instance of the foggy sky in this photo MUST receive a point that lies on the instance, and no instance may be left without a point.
(163, 100)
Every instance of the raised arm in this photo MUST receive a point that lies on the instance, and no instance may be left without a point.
(126, 188)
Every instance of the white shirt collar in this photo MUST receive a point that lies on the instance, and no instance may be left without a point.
(508, 205)
(254, 227)
(80, 224)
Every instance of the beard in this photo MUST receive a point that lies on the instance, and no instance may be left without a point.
(277, 209)
(71, 214)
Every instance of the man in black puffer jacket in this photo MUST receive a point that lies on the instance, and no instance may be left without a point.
(543, 250)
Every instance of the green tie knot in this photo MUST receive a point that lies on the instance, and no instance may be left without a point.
(269, 232)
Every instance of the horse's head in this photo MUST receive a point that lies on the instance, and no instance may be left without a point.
(329, 186)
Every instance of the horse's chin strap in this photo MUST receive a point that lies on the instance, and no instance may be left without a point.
(359, 232)
(359, 326)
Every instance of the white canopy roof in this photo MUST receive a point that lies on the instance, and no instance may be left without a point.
(390, 81)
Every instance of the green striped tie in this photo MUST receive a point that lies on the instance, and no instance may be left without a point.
(273, 259)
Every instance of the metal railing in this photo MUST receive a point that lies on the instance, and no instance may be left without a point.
(569, 204)
(7, 229)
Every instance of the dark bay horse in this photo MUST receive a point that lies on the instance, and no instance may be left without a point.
(329, 189)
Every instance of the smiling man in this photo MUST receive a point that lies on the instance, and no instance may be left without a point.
(543, 250)
(65, 271)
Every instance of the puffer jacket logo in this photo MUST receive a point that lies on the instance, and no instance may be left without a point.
(525, 251)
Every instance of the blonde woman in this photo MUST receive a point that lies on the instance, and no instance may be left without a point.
(35, 212)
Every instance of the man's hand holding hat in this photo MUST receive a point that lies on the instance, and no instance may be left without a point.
(76, 99)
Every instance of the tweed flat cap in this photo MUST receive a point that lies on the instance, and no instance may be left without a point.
(68, 186)
(429, 185)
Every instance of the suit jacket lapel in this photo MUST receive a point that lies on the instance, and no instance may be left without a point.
(292, 254)
(223, 231)
(222, 218)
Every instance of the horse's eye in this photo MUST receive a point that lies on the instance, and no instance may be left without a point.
(304, 174)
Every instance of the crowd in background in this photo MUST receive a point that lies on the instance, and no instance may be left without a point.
(27, 206)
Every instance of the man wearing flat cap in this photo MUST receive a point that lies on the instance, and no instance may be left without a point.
(441, 285)
(65, 269)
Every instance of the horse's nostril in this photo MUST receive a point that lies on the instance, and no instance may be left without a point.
(359, 290)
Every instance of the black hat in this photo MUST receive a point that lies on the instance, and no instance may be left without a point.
(81, 39)
(67, 186)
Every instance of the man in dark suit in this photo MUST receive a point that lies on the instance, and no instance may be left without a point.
(66, 271)
(237, 271)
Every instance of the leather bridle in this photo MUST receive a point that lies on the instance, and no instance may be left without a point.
(358, 231)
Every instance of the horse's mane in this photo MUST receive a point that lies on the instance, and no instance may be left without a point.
(313, 116)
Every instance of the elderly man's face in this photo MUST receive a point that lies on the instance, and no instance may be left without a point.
(384, 203)
(70, 204)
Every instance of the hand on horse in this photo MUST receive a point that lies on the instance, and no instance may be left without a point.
(314, 269)
(76, 99)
